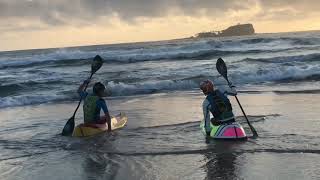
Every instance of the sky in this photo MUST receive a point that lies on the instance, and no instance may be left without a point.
(30, 24)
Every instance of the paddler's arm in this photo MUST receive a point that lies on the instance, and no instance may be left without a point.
(106, 112)
(82, 86)
(82, 93)
(232, 91)
(206, 115)
(108, 119)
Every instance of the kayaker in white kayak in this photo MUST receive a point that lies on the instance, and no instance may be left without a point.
(218, 104)
(93, 104)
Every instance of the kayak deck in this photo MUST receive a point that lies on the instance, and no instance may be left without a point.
(226, 131)
(83, 130)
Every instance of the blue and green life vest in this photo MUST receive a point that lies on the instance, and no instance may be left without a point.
(90, 108)
(221, 108)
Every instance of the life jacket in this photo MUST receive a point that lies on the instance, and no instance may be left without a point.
(221, 108)
(90, 109)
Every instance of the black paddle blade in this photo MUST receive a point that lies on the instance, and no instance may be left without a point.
(222, 68)
(68, 128)
(96, 64)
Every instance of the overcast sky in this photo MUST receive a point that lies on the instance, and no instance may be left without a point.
(26, 24)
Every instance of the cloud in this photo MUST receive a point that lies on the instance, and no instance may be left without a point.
(287, 10)
(307, 5)
(55, 12)
(56, 23)
(88, 12)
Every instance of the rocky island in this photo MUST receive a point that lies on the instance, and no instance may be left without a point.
(237, 30)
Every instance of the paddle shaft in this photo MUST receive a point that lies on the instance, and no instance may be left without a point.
(222, 69)
(81, 97)
(244, 114)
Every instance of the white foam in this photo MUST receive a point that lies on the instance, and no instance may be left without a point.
(27, 100)
(121, 88)
(275, 72)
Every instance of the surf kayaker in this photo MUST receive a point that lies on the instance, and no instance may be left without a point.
(217, 104)
(93, 104)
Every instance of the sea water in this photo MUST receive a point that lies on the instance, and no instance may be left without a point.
(156, 84)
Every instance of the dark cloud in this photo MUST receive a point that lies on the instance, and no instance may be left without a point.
(57, 12)
(62, 11)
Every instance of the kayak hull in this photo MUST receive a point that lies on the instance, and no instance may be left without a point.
(231, 131)
(117, 122)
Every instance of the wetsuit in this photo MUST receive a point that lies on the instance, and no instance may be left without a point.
(219, 106)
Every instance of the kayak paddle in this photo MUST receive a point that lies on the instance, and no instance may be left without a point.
(222, 69)
(95, 66)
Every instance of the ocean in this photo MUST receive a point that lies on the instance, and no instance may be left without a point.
(157, 85)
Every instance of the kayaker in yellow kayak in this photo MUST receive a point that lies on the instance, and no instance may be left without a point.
(93, 103)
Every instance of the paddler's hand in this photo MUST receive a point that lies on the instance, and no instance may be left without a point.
(87, 81)
(108, 120)
(83, 86)
(232, 91)
(208, 133)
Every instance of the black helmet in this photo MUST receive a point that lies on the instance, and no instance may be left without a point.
(98, 88)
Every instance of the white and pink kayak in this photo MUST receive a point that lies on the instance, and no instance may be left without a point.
(226, 131)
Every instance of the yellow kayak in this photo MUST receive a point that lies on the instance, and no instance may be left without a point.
(117, 122)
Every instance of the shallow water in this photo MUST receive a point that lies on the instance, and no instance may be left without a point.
(162, 140)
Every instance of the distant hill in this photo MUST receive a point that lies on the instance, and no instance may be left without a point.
(237, 30)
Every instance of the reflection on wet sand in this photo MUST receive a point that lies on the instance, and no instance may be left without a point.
(101, 166)
(221, 162)
(97, 163)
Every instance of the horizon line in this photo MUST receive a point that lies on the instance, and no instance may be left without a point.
(148, 41)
